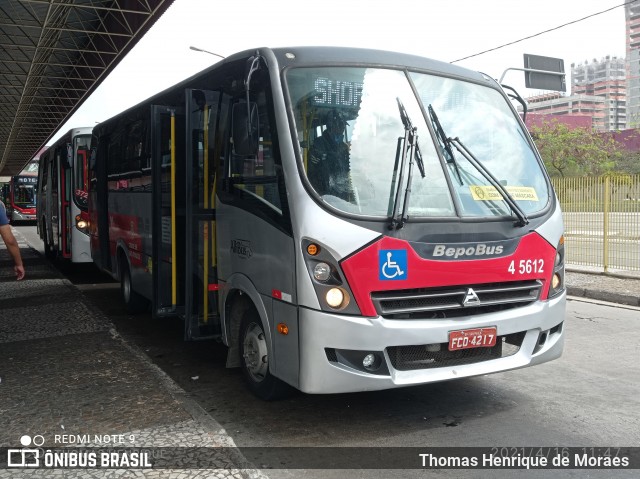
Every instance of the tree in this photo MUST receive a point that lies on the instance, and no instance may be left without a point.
(575, 151)
(629, 163)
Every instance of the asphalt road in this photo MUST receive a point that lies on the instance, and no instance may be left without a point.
(589, 397)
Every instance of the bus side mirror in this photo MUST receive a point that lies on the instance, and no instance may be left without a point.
(244, 129)
(69, 163)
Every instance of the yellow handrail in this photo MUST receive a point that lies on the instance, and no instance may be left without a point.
(174, 274)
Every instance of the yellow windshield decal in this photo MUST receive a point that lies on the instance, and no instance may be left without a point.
(489, 193)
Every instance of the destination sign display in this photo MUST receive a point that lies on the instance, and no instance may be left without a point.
(26, 180)
(337, 93)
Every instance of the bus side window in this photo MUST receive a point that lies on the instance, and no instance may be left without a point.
(54, 171)
(137, 171)
(255, 182)
(259, 173)
(43, 180)
(115, 165)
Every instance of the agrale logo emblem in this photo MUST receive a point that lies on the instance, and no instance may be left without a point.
(471, 298)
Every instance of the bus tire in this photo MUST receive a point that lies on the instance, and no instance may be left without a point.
(133, 302)
(254, 360)
(48, 249)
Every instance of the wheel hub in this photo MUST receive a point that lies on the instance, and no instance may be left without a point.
(254, 353)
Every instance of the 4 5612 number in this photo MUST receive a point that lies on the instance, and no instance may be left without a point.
(526, 266)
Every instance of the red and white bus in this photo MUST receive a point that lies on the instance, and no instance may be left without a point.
(21, 194)
(342, 219)
(62, 193)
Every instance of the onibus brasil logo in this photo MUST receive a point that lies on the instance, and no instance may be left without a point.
(32, 455)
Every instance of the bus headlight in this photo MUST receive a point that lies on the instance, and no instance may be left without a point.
(328, 281)
(322, 272)
(82, 224)
(559, 254)
(557, 277)
(335, 298)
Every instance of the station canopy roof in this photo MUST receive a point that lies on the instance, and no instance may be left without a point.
(53, 55)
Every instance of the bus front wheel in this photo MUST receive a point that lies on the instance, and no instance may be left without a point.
(254, 359)
(132, 300)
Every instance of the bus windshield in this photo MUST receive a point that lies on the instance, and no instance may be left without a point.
(24, 193)
(351, 132)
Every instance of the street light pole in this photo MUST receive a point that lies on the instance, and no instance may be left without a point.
(196, 49)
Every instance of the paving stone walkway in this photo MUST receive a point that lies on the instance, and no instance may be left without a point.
(65, 371)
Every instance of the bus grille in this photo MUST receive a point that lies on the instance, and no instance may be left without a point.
(436, 303)
(429, 356)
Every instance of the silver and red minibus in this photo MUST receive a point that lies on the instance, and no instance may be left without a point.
(20, 194)
(342, 219)
(62, 215)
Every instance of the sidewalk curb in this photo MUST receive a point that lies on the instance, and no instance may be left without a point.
(603, 296)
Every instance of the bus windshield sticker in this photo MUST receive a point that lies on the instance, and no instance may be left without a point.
(489, 193)
(393, 264)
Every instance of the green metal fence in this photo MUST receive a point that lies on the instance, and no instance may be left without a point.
(601, 222)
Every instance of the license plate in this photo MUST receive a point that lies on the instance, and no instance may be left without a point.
(472, 338)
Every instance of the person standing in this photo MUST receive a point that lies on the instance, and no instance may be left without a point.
(10, 242)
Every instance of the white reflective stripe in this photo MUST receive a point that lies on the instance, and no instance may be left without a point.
(286, 297)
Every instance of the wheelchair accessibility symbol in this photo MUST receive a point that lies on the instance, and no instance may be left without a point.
(392, 264)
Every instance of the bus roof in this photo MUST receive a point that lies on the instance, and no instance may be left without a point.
(383, 58)
(316, 55)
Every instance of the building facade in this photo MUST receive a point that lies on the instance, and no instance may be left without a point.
(632, 17)
(592, 107)
(598, 91)
(607, 79)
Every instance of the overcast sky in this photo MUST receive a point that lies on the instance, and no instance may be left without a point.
(445, 30)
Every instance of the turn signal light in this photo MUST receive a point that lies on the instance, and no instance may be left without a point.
(283, 329)
(313, 249)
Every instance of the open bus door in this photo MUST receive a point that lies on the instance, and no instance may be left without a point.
(66, 163)
(168, 163)
(184, 261)
(201, 282)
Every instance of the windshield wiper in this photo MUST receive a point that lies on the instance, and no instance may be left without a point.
(445, 143)
(413, 138)
(407, 148)
(522, 217)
